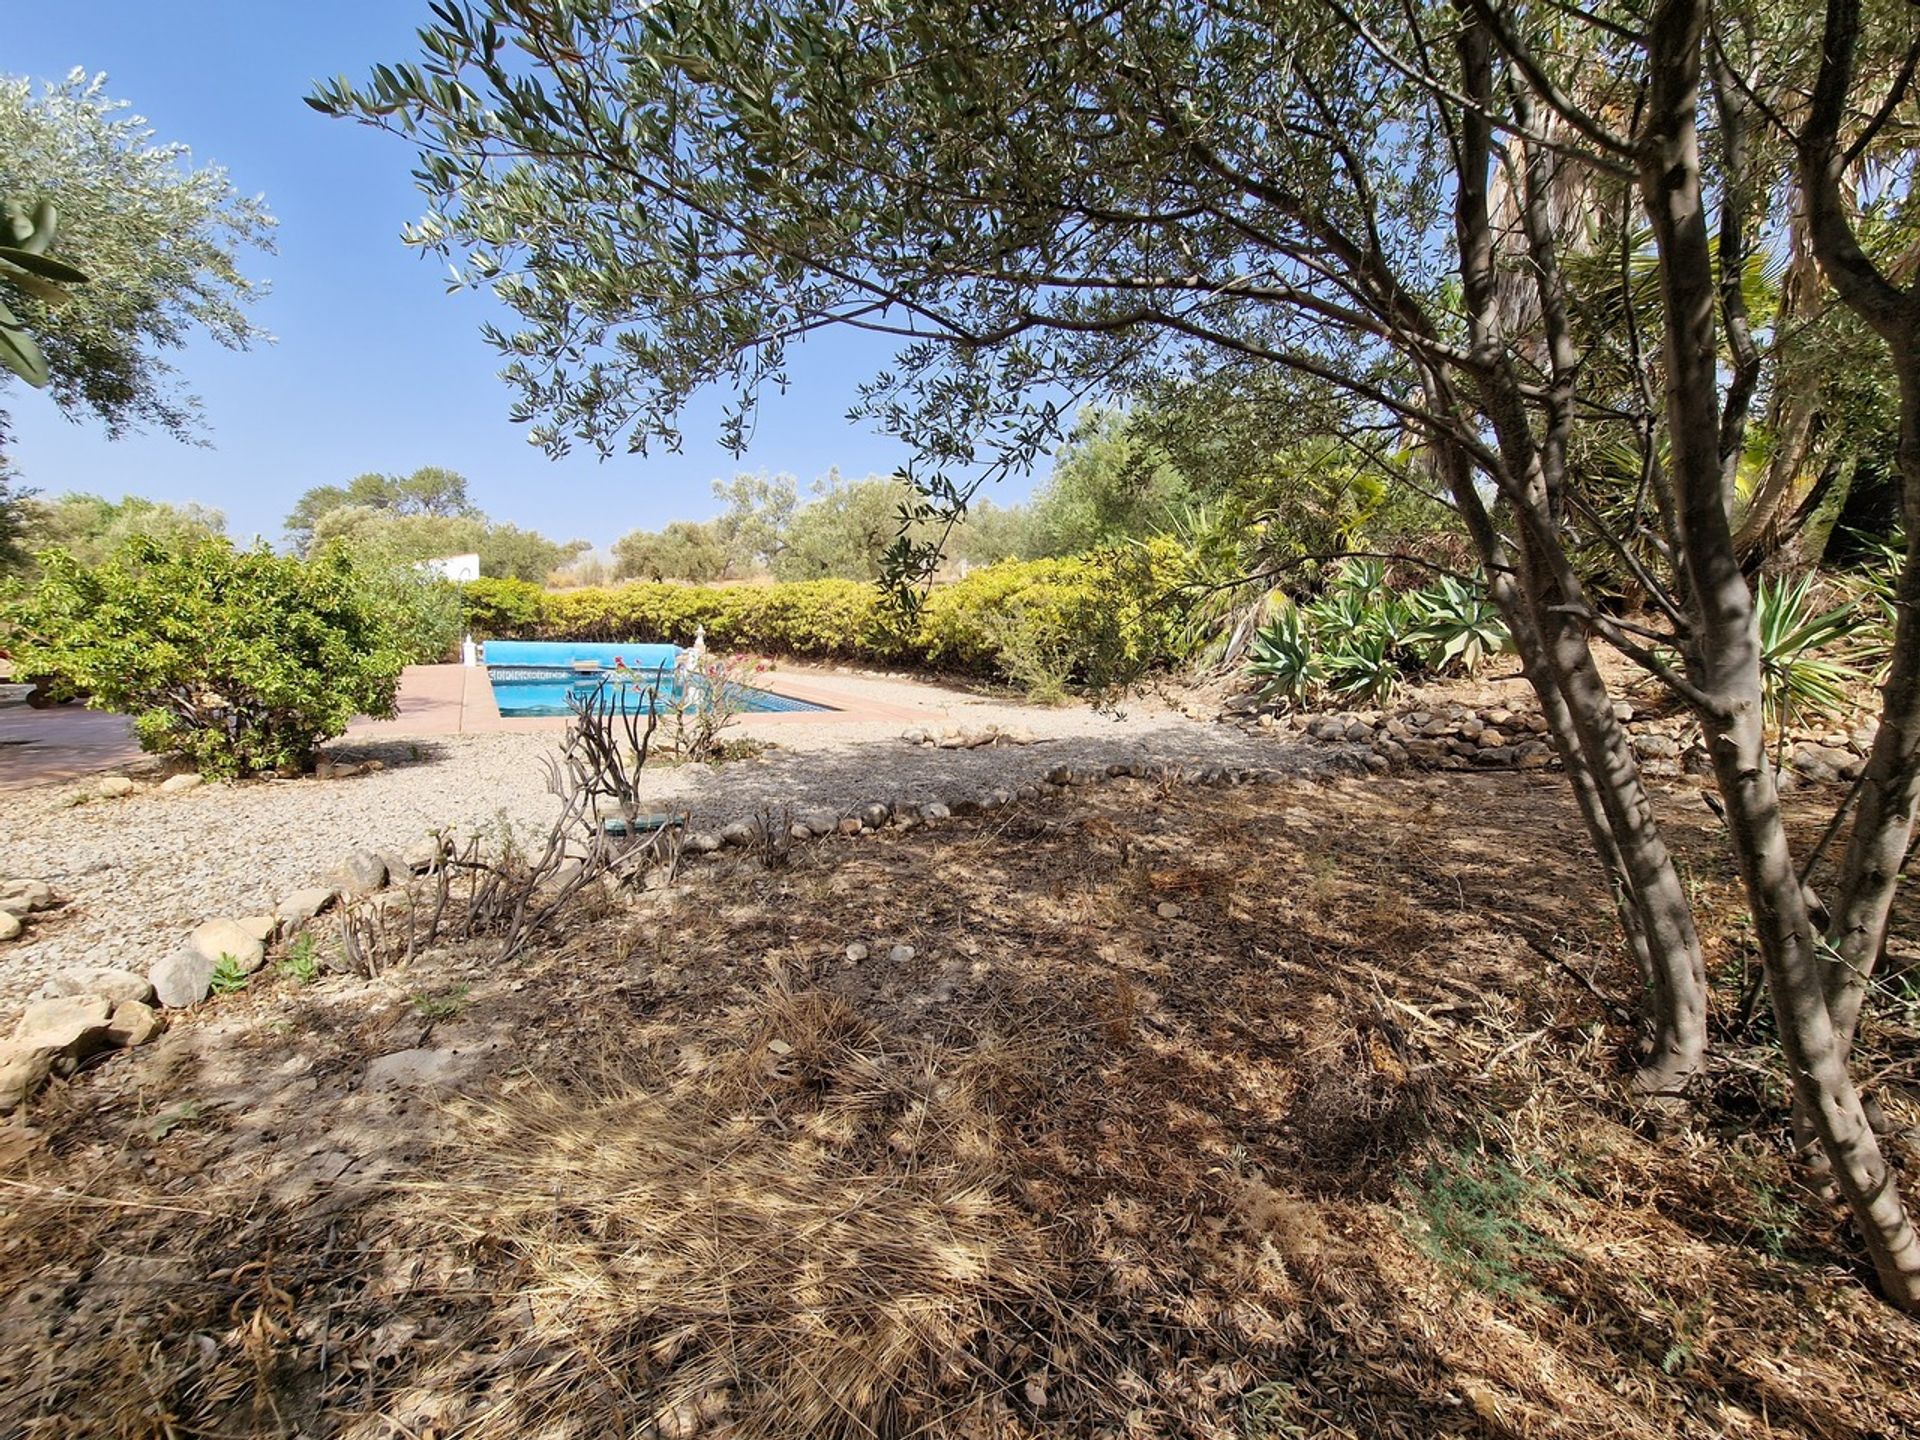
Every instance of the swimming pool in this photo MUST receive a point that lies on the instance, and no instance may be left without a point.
(530, 690)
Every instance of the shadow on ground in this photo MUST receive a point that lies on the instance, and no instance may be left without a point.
(1271, 1111)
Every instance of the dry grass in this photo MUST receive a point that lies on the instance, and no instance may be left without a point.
(1335, 1152)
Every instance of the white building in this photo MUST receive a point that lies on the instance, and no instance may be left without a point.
(460, 568)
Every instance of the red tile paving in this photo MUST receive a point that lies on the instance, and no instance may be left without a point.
(63, 742)
(66, 742)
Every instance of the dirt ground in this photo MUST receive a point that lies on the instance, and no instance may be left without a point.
(1279, 1111)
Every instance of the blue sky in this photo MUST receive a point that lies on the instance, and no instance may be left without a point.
(376, 367)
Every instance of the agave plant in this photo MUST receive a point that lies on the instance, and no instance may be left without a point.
(1363, 670)
(1456, 626)
(1283, 658)
(1797, 680)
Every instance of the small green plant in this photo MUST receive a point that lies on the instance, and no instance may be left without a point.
(1363, 671)
(1470, 1212)
(1283, 659)
(301, 963)
(445, 1006)
(230, 976)
(1801, 678)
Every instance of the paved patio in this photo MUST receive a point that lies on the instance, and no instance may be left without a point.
(40, 747)
(457, 700)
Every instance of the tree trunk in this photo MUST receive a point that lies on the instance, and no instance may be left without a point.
(1656, 921)
(1883, 823)
(1724, 655)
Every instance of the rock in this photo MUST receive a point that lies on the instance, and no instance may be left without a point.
(213, 939)
(703, 842)
(1826, 762)
(875, 816)
(23, 1068)
(1622, 711)
(113, 787)
(134, 1023)
(1533, 755)
(740, 832)
(11, 925)
(182, 978)
(820, 822)
(849, 826)
(23, 897)
(1027, 794)
(261, 927)
(997, 799)
(419, 1069)
(858, 951)
(1168, 910)
(69, 1027)
(301, 906)
(965, 805)
(1495, 755)
(1654, 746)
(360, 873)
(180, 784)
(934, 810)
(115, 985)
(901, 954)
(1377, 763)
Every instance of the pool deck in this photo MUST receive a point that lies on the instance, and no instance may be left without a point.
(458, 700)
(69, 742)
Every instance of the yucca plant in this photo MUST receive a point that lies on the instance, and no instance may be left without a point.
(1456, 626)
(1283, 658)
(1798, 681)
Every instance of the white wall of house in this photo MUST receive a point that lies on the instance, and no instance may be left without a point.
(453, 567)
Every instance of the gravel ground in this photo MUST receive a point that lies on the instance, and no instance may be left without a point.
(136, 873)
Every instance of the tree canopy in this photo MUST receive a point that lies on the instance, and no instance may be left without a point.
(161, 239)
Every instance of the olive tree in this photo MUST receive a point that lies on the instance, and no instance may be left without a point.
(1428, 221)
(159, 239)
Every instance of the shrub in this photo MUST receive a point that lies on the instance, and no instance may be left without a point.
(501, 608)
(1039, 623)
(427, 613)
(239, 660)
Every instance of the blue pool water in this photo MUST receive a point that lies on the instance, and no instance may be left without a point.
(544, 690)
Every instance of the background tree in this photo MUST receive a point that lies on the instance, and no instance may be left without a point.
(752, 526)
(91, 527)
(161, 240)
(846, 529)
(685, 550)
(430, 490)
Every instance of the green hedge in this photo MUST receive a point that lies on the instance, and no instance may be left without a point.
(1083, 616)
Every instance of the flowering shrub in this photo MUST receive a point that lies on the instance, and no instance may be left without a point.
(710, 696)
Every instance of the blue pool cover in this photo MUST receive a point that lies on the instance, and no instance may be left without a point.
(562, 653)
